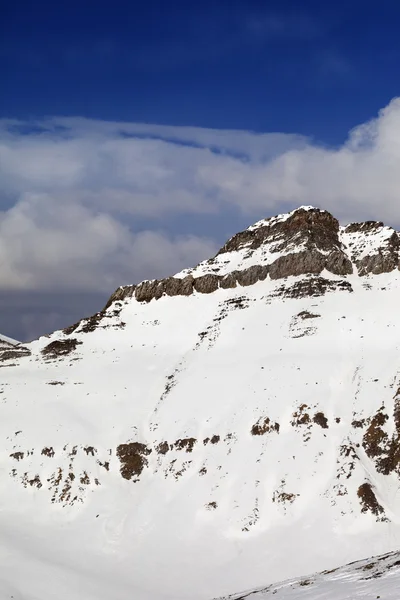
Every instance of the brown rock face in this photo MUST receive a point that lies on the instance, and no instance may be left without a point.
(60, 348)
(368, 500)
(317, 228)
(172, 286)
(252, 275)
(133, 459)
(146, 291)
(122, 293)
(229, 281)
(206, 284)
(309, 239)
(297, 263)
(383, 259)
(377, 264)
(338, 263)
(314, 230)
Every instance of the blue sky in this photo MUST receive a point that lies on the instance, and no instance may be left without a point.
(136, 137)
(311, 67)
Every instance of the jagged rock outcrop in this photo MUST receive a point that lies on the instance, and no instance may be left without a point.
(366, 255)
(206, 284)
(120, 294)
(252, 275)
(306, 242)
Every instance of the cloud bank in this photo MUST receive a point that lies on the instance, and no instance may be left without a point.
(88, 205)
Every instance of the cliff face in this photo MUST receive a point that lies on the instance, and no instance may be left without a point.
(236, 423)
(304, 242)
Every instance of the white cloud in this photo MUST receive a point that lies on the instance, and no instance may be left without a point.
(72, 191)
(69, 247)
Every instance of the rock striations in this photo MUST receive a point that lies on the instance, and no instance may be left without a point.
(306, 241)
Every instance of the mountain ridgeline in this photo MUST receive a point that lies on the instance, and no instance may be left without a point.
(238, 422)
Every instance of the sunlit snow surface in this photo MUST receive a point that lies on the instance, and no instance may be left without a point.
(237, 514)
(377, 577)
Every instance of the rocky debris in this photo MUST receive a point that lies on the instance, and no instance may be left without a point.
(379, 446)
(321, 420)
(186, 444)
(91, 323)
(305, 314)
(368, 500)
(10, 352)
(60, 348)
(375, 439)
(213, 440)
(90, 450)
(17, 455)
(263, 426)
(311, 286)
(284, 497)
(300, 416)
(84, 479)
(48, 452)
(34, 482)
(347, 461)
(162, 448)
(358, 423)
(133, 459)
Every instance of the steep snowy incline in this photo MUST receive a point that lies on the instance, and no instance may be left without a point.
(193, 439)
(7, 342)
(377, 577)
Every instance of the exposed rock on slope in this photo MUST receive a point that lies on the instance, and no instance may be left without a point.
(195, 420)
(377, 577)
(304, 242)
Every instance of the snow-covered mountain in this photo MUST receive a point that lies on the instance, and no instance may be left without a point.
(6, 342)
(232, 426)
(377, 577)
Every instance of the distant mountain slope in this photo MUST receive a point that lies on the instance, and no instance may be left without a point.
(377, 577)
(6, 341)
(231, 426)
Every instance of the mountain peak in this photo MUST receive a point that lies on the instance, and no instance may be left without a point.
(198, 430)
(304, 242)
(284, 216)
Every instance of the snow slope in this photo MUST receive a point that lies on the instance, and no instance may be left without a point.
(6, 341)
(378, 577)
(194, 445)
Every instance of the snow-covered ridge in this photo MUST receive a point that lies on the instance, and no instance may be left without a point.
(376, 577)
(242, 429)
(281, 217)
(7, 341)
(306, 241)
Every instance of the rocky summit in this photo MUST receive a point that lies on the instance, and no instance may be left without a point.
(231, 426)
